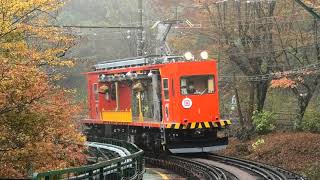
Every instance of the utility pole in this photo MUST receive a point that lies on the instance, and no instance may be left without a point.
(140, 29)
(162, 46)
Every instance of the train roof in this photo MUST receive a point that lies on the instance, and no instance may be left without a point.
(136, 61)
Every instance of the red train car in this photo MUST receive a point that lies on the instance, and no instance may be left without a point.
(157, 102)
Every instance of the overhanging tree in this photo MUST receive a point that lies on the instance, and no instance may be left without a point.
(36, 117)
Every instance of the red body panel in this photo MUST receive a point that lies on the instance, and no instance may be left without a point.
(205, 108)
(125, 100)
(91, 99)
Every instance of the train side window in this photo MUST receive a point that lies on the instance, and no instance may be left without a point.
(197, 85)
(96, 92)
(165, 86)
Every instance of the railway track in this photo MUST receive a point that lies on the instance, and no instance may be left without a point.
(265, 171)
(187, 168)
(216, 167)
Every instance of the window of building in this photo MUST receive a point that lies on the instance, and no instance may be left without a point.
(200, 84)
(165, 86)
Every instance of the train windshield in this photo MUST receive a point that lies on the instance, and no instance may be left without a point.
(197, 85)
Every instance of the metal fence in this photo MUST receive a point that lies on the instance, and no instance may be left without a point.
(129, 167)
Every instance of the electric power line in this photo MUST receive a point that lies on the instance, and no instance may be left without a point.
(306, 70)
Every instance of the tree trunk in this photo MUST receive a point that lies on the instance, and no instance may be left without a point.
(238, 103)
(303, 103)
(262, 90)
(251, 104)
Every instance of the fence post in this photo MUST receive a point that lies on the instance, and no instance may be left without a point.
(101, 173)
(119, 169)
(91, 175)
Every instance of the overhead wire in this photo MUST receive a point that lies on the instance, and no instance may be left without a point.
(244, 23)
(306, 70)
(236, 39)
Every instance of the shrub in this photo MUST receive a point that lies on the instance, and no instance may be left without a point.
(257, 144)
(244, 134)
(311, 122)
(313, 172)
(264, 122)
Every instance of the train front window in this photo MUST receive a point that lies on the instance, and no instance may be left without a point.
(199, 84)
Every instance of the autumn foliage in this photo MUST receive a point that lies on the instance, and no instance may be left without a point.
(38, 131)
(313, 3)
(283, 83)
(40, 136)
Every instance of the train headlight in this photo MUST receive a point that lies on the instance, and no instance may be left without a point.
(188, 56)
(204, 55)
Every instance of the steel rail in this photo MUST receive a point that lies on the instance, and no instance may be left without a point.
(187, 167)
(214, 171)
(266, 171)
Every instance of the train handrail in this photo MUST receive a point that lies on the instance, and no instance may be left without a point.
(116, 166)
